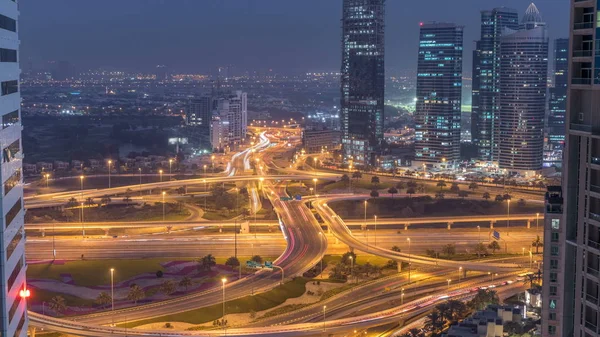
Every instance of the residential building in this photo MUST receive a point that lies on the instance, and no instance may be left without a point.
(486, 323)
(218, 133)
(522, 85)
(362, 80)
(439, 87)
(486, 69)
(13, 291)
(199, 112)
(232, 111)
(557, 105)
(572, 306)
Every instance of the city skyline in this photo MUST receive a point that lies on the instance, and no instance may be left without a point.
(305, 40)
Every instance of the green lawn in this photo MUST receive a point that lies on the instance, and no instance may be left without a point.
(149, 212)
(363, 183)
(264, 301)
(41, 295)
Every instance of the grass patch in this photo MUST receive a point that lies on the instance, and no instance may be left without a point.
(283, 310)
(42, 295)
(148, 212)
(264, 301)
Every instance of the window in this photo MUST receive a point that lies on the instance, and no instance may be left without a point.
(13, 276)
(556, 224)
(10, 87)
(13, 244)
(12, 212)
(553, 277)
(553, 264)
(551, 330)
(553, 290)
(9, 152)
(554, 237)
(8, 55)
(552, 316)
(10, 119)
(14, 308)
(554, 250)
(12, 181)
(8, 23)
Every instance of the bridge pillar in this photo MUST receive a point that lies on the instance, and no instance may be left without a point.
(105, 232)
(169, 229)
(31, 331)
(405, 226)
(450, 225)
(399, 266)
(43, 232)
(492, 224)
(221, 229)
(528, 224)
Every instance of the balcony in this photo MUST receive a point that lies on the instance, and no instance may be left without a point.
(594, 216)
(583, 25)
(595, 188)
(581, 80)
(595, 160)
(591, 299)
(591, 326)
(580, 127)
(582, 53)
(593, 244)
(592, 271)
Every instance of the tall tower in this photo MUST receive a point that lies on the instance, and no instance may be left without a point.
(486, 64)
(13, 306)
(362, 79)
(522, 95)
(439, 86)
(572, 266)
(557, 105)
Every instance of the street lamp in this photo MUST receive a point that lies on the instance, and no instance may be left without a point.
(351, 266)
(523, 251)
(448, 280)
(508, 216)
(479, 230)
(315, 184)
(537, 219)
(204, 169)
(530, 259)
(324, 310)
(112, 294)
(109, 166)
(365, 215)
(140, 171)
(459, 272)
(212, 160)
(205, 191)
(160, 172)
(47, 177)
(223, 281)
(402, 297)
(163, 204)
(375, 216)
(82, 224)
(409, 264)
(170, 164)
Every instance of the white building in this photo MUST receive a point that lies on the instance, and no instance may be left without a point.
(13, 306)
(218, 134)
(232, 112)
(486, 323)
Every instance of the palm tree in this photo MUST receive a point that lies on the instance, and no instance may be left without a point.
(356, 175)
(435, 322)
(463, 194)
(375, 180)
(345, 179)
(494, 246)
(473, 186)
(374, 194)
(439, 195)
(458, 309)
(168, 287)
(454, 188)
(90, 201)
(257, 259)
(410, 191)
(396, 249)
(103, 299)
(185, 282)
(105, 200)
(232, 262)
(441, 184)
(207, 262)
(392, 190)
(135, 293)
(72, 202)
(400, 186)
(486, 196)
(58, 304)
(537, 243)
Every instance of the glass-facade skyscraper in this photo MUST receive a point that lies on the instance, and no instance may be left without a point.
(439, 87)
(362, 80)
(486, 64)
(557, 105)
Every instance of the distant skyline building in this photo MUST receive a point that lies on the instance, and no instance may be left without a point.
(557, 106)
(439, 92)
(572, 241)
(486, 65)
(230, 124)
(522, 86)
(13, 297)
(362, 80)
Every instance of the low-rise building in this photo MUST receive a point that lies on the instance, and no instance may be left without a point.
(486, 323)
(29, 168)
(44, 166)
(61, 165)
(318, 140)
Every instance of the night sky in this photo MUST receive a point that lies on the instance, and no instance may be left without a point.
(288, 36)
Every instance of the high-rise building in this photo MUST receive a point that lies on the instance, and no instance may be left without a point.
(572, 266)
(232, 121)
(199, 111)
(557, 106)
(362, 80)
(439, 91)
(522, 85)
(486, 64)
(13, 292)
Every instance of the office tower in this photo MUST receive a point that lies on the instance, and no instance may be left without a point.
(199, 112)
(557, 105)
(486, 64)
(439, 86)
(232, 121)
(522, 85)
(362, 80)
(161, 72)
(572, 268)
(13, 292)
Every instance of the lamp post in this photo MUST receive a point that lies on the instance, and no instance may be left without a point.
(204, 169)
(47, 177)
(324, 311)
(205, 191)
(112, 294)
(163, 204)
(448, 280)
(212, 160)
(523, 251)
(530, 259)
(351, 266)
(170, 164)
(82, 223)
(140, 171)
(321, 273)
(375, 216)
(160, 172)
(537, 221)
(409, 264)
(508, 217)
(459, 272)
(109, 166)
(479, 230)
(81, 199)
(365, 215)
(402, 297)
(223, 281)
(315, 184)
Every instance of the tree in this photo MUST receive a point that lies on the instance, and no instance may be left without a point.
(421, 188)
(458, 310)
(345, 179)
(494, 246)
(103, 299)
(480, 249)
(435, 322)
(127, 199)
(537, 243)
(185, 282)
(135, 293)
(400, 186)
(58, 304)
(347, 257)
(374, 180)
(90, 201)
(521, 203)
(414, 332)
(449, 249)
(257, 259)
(168, 287)
(396, 249)
(72, 202)
(374, 194)
(454, 188)
(68, 214)
(105, 200)
(506, 196)
(356, 175)
(232, 262)
(473, 186)
(410, 191)
(411, 184)
(483, 298)
(499, 197)
(513, 328)
(392, 191)
(486, 196)
(463, 194)
(439, 195)
(441, 184)
(338, 272)
(206, 263)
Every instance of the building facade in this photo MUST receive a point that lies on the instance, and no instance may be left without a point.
(362, 80)
(522, 86)
(199, 111)
(13, 306)
(486, 66)
(557, 105)
(319, 140)
(574, 310)
(439, 92)
(230, 123)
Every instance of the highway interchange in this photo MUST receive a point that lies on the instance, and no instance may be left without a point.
(303, 245)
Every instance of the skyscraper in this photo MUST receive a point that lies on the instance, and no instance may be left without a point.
(522, 85)
(13, 306)
(439, 86)
(557, 105)
(230, 126)
(572, 241)
(199, 111)
(362, 80)
(486, 64)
